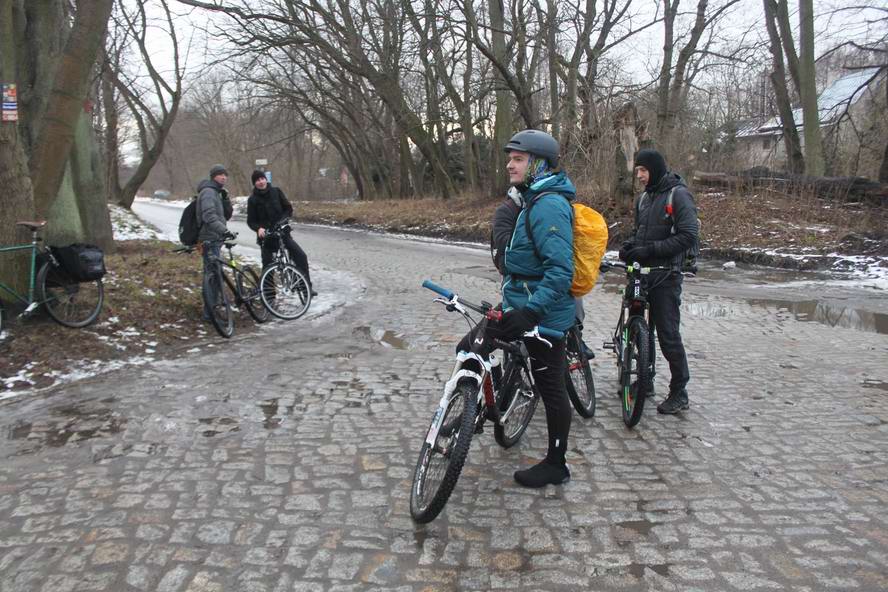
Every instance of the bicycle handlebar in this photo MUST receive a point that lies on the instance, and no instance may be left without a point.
(454, 298)
(438, 289)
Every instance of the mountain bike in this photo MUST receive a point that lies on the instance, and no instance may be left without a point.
(479, 389)
(285, 291)
(69, 302)
(235, 285)
(632, 341)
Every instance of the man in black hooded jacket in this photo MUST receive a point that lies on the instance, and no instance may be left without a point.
(660, 239)
(266, 207)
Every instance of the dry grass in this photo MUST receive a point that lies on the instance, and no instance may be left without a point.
(765, 220)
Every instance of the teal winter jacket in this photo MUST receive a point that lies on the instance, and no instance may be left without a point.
(540, 278)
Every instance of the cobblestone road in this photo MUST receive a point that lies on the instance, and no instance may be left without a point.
(282, 462)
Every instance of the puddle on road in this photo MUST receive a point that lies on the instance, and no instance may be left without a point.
(637, 569)
(218, 425)
(270, 409)
(815, 311)
(70, 423)
(384, 337)
(826, 311)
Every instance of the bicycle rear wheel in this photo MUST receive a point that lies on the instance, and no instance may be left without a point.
(578, 379)
(249, 292)
(222, 316)
(520, 400)
(70, 303)
(635, 370)
(285, 291)
(440, 464)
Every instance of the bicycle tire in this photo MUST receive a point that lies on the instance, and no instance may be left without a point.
(635, 363)
(578, 376)
(515, 384)
(221, 315)
(249, 293)
(69, 303)
(2, 314)
(285, 291)
(425, 505)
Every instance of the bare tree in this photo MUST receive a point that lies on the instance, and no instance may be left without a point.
(132, 26)
(675, 79)
(794, 156)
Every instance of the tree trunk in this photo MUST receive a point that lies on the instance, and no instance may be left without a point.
(883, 170)
(111, 148)
(625, 124)
(670, 9)
(795, 161)
(813, 142)
(16, 201)
(56, 134)
(502, 127)
(552, 54)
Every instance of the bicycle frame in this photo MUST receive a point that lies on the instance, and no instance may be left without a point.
(478, 368)
(634, 304)
(29, 302)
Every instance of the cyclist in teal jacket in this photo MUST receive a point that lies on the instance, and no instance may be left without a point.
(538, 272)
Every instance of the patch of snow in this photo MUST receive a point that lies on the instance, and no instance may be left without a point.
(729, 265)
(127, 226)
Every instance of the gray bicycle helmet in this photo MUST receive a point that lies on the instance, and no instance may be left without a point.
(537, 143)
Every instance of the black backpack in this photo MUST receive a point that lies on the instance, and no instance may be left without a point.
(189, 225)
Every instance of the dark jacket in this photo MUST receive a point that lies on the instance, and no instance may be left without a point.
(266, 209)
(539, 269)
(501, 230)
(653, 226)
(211, 211)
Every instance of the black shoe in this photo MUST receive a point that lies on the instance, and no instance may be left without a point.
(675, 402)
(590, 355)
(542, 474)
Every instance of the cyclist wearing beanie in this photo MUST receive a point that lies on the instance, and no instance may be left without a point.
(537, 274)
(659, 239)
(267, 206)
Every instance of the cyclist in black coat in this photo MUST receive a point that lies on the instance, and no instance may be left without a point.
(266, 206)
(662, 240)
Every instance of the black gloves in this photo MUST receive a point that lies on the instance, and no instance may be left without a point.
(515, 323)
(624, 248)
(637, 254)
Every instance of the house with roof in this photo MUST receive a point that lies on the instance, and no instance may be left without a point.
(853, 125)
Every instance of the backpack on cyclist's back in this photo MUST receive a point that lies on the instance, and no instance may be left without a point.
(589, 245)
(189, 225)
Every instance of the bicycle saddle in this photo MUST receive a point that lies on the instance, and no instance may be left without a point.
(32, 225)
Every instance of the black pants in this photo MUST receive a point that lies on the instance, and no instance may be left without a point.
(300, 259)
(665, 300)
(548, 366)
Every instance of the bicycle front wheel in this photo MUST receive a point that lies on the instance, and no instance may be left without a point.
(285, 291)
(518, 402)
(635, 371)
(70, 303)
(578, 379)
(249, 292)
(218, 302)
(440, 464)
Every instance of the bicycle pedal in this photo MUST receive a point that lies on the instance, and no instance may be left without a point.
(608, 345)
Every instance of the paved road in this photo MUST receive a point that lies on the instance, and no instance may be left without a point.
(282, 462)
